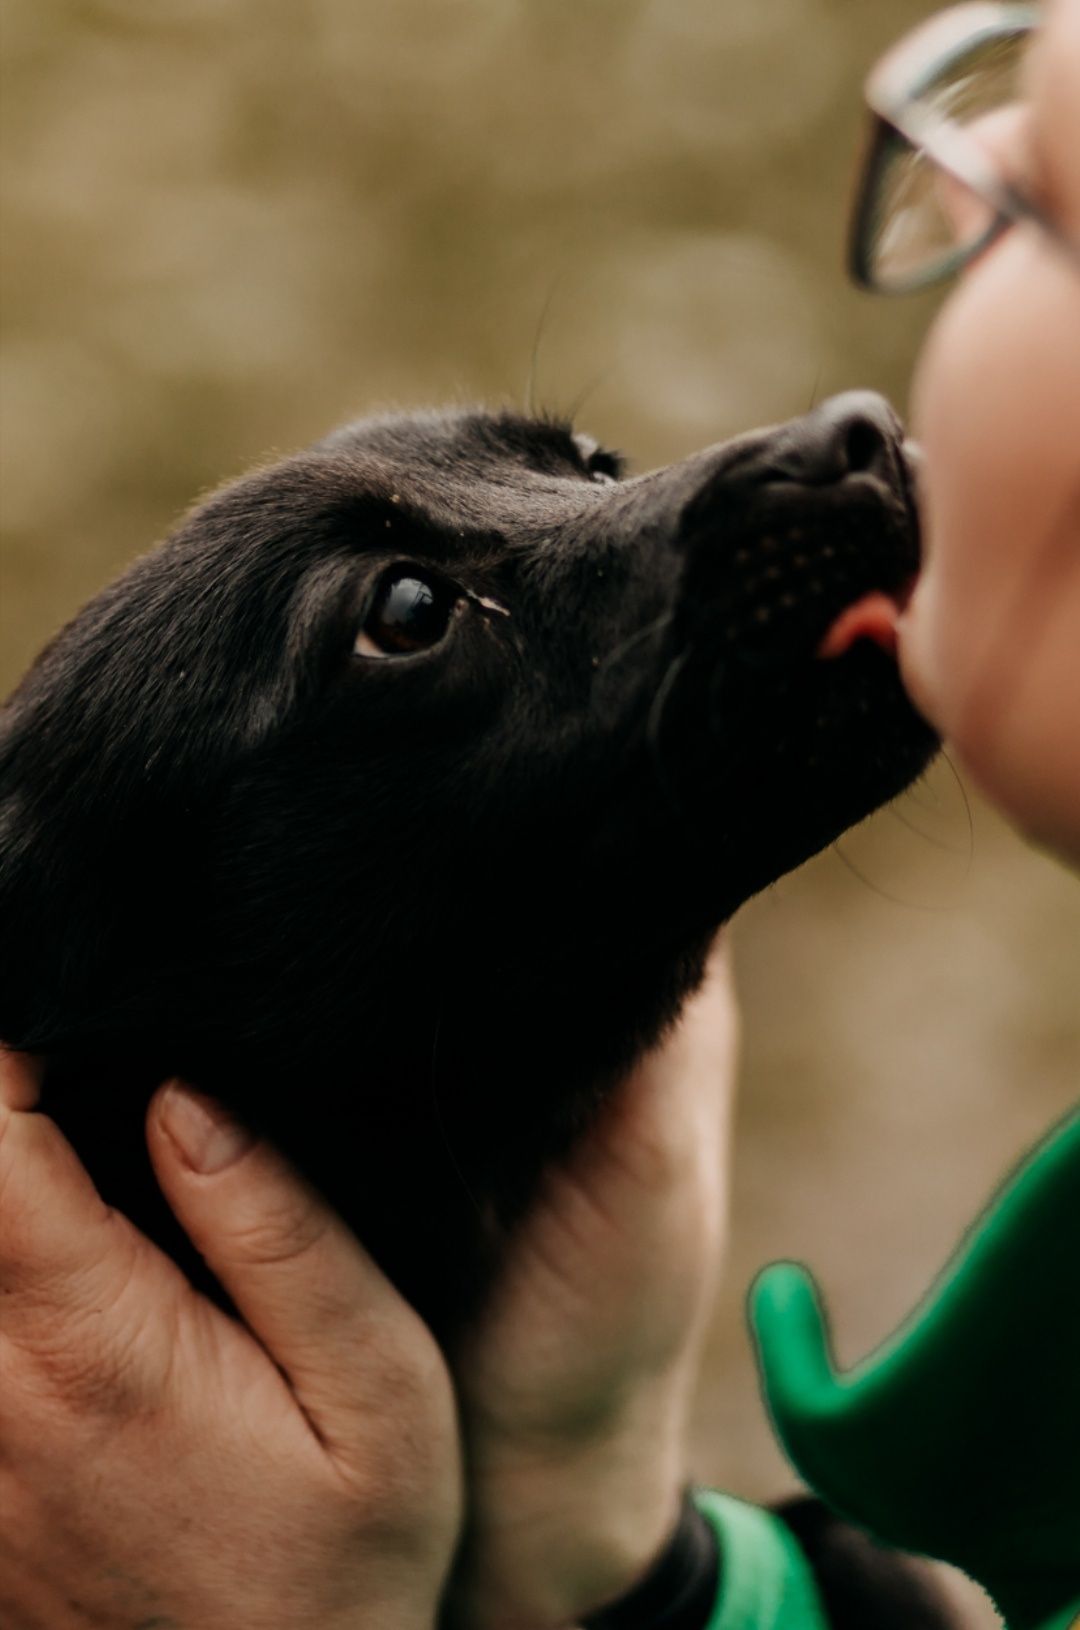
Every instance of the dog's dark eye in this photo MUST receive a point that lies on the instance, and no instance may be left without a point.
(599, 464)
(411, 612)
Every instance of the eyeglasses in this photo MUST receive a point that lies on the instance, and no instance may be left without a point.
(932, 193)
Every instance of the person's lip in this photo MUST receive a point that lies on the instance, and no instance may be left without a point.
(912, 464)
(914, 458)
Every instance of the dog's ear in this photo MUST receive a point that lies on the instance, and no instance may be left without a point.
(42, 961)
(62, 895)
(111, 751)
(94, 746)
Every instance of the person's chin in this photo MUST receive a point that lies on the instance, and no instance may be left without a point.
(1000, 753)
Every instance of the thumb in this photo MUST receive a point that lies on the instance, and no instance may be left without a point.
(805, 1396)
(792, 1341)
(301, 1281)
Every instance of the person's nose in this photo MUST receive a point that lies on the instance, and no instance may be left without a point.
(1004, 137)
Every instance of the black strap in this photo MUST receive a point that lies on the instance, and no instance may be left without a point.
(679, 1591)
(862, 1582)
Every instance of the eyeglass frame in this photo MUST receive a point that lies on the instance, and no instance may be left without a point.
(892, 90)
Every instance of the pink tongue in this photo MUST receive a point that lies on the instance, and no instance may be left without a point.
(873, 617)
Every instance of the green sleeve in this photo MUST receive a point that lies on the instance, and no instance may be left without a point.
(765, 1580)
(959, 1437)
(1068, 1619)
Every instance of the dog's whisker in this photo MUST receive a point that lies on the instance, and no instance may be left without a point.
(654, 722)
(663, 693)
(929, 837)
(534, 358)
(926, 798)
(587, 390)
(635, 639)
(716, 685)
(966, 802)
(933, 909)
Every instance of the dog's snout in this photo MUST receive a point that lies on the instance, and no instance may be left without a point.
(854, 434)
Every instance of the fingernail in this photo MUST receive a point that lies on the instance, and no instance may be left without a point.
(206, 1136)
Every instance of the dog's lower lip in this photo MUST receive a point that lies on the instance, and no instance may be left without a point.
(873, 616)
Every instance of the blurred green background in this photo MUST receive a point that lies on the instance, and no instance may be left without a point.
(229, 224)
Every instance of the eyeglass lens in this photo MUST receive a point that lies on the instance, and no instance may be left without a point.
(923, 220)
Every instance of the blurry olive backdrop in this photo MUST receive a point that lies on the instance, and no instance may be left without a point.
(229, 224)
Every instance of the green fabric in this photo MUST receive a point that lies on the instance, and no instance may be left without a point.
(960, 1437)
(765, 1580)
(1067, 1620)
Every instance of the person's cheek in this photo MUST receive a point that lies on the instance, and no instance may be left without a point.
(960, 415)
(1054, 88)
(992, 405)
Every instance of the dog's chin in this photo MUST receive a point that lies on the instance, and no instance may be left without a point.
(804, 700)
(851, 734)
(813, 744)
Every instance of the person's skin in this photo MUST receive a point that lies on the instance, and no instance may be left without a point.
(151, 1449)
(577, 1381)
(575, 1385)
(990, 646)
(162, 1467)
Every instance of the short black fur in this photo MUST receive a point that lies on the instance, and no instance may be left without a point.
(410, 915)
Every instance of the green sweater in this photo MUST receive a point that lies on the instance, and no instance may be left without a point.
(766, 1581)
(959, 1438)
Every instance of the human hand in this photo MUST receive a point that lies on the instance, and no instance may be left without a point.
(576, 1381)
(161, 1464)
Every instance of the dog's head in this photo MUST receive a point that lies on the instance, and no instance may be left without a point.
(419, 769)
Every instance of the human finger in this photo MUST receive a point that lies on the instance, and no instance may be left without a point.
(59, 1242)
(300, 1280)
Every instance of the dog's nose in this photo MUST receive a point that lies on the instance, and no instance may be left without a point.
(854, 434)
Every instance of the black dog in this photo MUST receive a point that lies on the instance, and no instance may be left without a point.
(396, 798)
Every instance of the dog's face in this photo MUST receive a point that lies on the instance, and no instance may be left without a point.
(406, 784)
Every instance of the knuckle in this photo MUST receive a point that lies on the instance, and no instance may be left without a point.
(80, 1372)
(408, 1372)
(390, 1485)
(83, 1351)
(9, 1157)
(393, 1450)
(278, 1230)
(419, 1376)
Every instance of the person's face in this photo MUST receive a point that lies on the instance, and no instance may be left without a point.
(990, 646)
